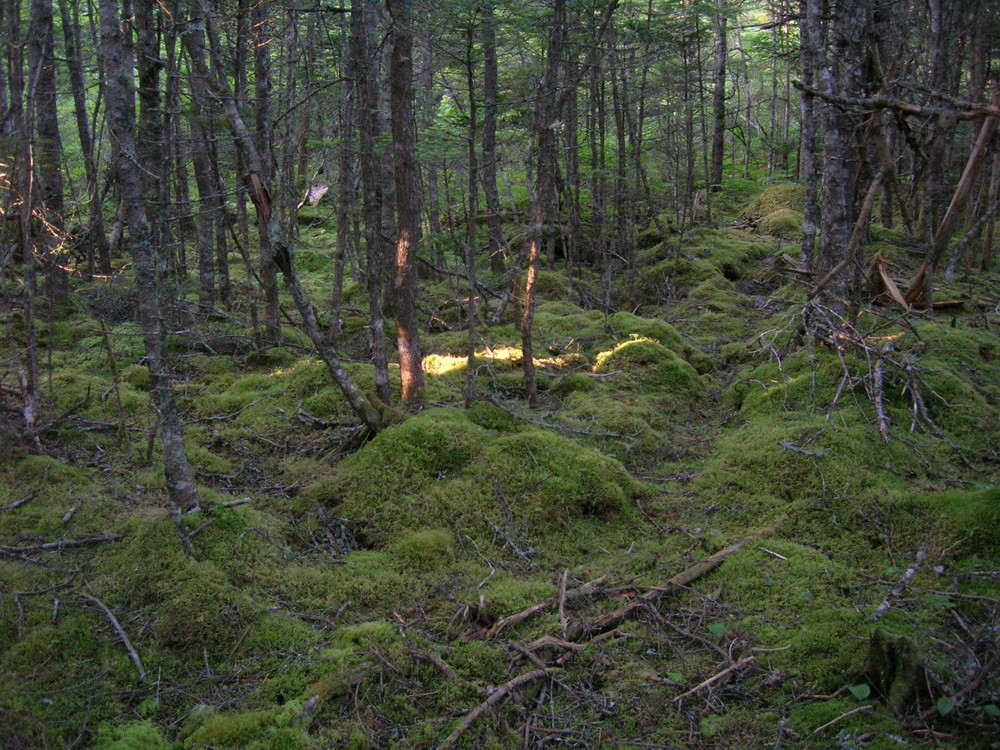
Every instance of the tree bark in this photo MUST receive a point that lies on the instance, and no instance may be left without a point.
(364, 72)
(719, 100)
(407, 179)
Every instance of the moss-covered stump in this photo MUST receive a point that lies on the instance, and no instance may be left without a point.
(441, 470)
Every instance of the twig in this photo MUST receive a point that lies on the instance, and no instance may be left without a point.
(772, 553)
(859, 709)
(613, 619)
(969, 688)
(792, 447)
(18, 503)
(591, 587)
(501, 692)
(900, 587)
(132, 653)
(714, 678)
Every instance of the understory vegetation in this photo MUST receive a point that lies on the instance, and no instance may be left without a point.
(736, 520)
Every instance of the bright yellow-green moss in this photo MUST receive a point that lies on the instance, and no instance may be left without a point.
(784, 222)
(648, 366)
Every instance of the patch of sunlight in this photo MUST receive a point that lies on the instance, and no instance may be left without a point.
(442, 364)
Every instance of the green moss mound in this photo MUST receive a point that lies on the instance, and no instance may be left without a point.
(784, 222)
(774, 198)
(439, 470)
(646, 365)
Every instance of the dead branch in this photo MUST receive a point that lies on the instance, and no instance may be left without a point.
(501, 693)
(888, 102)
(859, 709)
(133, 655)
(901, 586)
(792, 447)
(610, 620)
(587, 589)
(18, 503)
(716, 677)
(61, 544)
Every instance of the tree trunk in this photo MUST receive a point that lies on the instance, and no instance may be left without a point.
(719, 100)
(120, 95)
(47, 144)
(809, 56)
(407, 180)
(546, 121)
(97, 237)
(488, 169)
(269, 223)
(260, 30)
(364, 72)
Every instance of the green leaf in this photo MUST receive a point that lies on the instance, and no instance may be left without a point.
(676, 677)
(944, 705)
(860, 691)
(991, 709)
(807, 595)
(717, 628)
(893, 571)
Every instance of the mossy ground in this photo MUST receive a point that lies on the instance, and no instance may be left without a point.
(348, 603)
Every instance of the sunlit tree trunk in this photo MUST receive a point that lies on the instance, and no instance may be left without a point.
(409, 233)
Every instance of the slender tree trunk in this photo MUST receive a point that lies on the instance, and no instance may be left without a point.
(809, 56)
(409, 232)
(47, 144)
(546, 120)
(260, 36)
(719, 100)
(994, 190)
(364, 72)
(488, 170)
(473, 207)
(97, 237)
(120, 89)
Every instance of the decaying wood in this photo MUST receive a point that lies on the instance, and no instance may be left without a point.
(501, 693)
(133, 655)
(881, 417)
(900, 587)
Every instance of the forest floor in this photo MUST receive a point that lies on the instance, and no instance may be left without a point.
(736, 521)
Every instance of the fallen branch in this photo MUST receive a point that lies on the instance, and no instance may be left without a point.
(842, 716)
(133, 655)
(18, 503)
(611, 620)
(587, 589)
(900, 587)
(501, 692)
(792, 447)
(61, 544)
(716, 677)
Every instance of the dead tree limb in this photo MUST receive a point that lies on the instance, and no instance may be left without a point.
(611, 620)
(133, 655)
(501, 693)
(900, 587)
